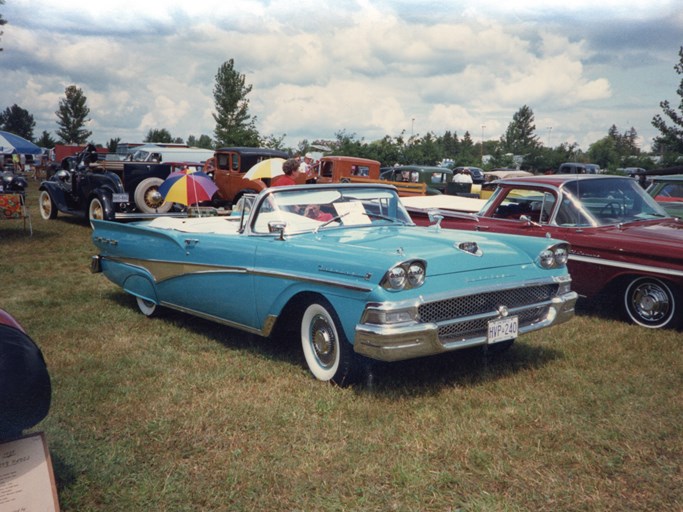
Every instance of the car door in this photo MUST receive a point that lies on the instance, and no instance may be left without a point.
(520, 211)
(216, 279)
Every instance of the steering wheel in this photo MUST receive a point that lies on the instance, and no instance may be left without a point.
(614, 209)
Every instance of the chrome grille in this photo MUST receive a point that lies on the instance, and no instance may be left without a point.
(485, 304)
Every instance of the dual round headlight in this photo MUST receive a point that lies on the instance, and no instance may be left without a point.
(405, 276)
(555, 256)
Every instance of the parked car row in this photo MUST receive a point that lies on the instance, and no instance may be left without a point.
(351, 278)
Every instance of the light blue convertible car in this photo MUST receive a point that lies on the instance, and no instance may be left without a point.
(345, 269)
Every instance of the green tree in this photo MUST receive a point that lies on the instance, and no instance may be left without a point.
(46, 140)
(18, 121)
(204, 141)
(159, 135)
(112, 144)
(348, 145)
(469, 153)
(616, 149)
(520, 137)
(72, 116)
(604, 152)
(552, 158)
(450, 145)
(234, 124)
(671, 137)
(274, 142)
(385, 150)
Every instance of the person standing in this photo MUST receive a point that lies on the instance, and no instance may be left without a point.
(291, 171)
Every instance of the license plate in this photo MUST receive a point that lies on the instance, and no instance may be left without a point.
(503, 329)
(120, 198)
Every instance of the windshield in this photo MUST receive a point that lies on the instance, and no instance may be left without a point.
(308, 209)
(606, 202)
(591, 202)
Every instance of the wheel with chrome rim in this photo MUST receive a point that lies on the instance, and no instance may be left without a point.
(148, 199)
(328, 354)
(651, 302)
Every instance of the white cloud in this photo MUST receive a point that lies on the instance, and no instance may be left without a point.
(318, 67)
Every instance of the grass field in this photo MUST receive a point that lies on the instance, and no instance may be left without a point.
(179, 414)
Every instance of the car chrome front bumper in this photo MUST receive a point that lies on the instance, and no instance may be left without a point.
(417, 339)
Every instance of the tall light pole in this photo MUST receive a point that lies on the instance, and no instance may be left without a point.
(482, 144)
(412, 127)
(550, 129)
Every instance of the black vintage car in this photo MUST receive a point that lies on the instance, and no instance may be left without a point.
(110, 190)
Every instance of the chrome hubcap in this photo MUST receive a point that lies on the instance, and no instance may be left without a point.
(323, 341)
(154, 198)
(651, 302)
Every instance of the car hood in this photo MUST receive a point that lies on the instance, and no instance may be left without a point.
(442, 249)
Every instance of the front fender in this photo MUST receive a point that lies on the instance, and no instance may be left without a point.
(56, 194)
(348, 304)
(105, 197)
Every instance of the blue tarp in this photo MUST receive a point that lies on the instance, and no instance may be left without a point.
(10, 143)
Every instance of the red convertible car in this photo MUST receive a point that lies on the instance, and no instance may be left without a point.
(622, 241)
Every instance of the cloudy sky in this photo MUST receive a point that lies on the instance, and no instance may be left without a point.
(368, 67)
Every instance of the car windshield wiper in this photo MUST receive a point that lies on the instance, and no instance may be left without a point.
(333, 219)
(384, 217)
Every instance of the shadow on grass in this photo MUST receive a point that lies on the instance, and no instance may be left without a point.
(13, 231)
(603, 306)
(467, 367)
(285, 348)
(462, 368)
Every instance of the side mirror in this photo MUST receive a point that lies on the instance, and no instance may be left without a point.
(277, 226)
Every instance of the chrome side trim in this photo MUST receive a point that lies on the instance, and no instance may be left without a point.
(629, 266)
(164, 270)
(213, 318)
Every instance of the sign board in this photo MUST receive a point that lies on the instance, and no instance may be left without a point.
(27, 482)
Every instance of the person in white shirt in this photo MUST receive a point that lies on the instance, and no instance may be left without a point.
(462, 176)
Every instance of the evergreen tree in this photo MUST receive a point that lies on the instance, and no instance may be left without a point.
(18, 121)
(671, 138)
(520, 138)
(46, 140)
(112, 144)
(449, 145)
(234, 124)
(72, 116)
(469, 153)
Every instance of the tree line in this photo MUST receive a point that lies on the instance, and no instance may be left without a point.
(519, 146)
